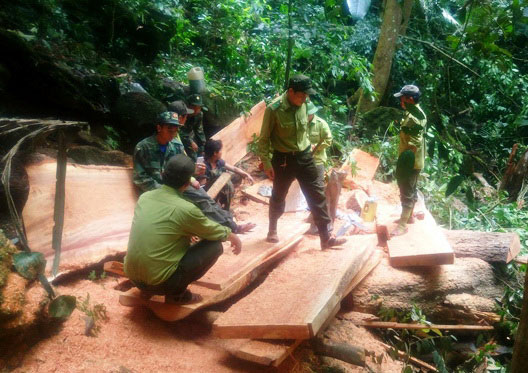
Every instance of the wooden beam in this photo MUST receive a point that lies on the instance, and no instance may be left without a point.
(219, 184)
(298, 296)
(396, 325)
(493, 247)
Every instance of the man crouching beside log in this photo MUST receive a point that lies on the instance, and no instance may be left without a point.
(160, 259)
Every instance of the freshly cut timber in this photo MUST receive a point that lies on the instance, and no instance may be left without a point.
(173, 312)
(360, 169)
(239, 133)
(99, 207)
(423, 245)
(299, 295)
(489, 246)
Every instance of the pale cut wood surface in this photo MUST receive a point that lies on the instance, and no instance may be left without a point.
(218, 185)
(99, 207)
(299, 295)
(294, 198)
(255, 249)
(239, 133)
(366, 166)
(489, 246)
(423, 245)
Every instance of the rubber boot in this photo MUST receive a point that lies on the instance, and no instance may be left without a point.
(401, 228)
(272, 231)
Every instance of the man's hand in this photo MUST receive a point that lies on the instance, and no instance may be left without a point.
(194, 146)
(236, 244)
(195, 184)
(250, 179)
(270, 173)
(199, 169)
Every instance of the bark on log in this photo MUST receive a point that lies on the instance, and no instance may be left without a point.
(520, 357)
(454, 294)
(491, 247)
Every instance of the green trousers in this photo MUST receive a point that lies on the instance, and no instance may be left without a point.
(194, 264)
(300, 166)
(408, 188)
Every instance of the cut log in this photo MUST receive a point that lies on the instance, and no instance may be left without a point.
(238, 134)
(299, 295)
(492, 247)
(171, 312)
(462, 293)
(350, 354)
(219, 184)
(295, 200)
(252, 192)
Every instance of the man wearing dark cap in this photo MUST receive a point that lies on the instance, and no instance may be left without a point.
(411, 154)
(150, 157)
(160, 258)
(192, 134)
(285, 130)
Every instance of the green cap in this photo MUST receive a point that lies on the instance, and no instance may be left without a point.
(180, 107)
(196, 100)
(169, 117)
(301, 83)
(311, 108)
(178, 171)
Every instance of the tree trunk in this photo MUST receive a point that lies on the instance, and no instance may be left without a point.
(395, 21)
(520, 355)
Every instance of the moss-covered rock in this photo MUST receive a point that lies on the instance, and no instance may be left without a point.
(7, 249)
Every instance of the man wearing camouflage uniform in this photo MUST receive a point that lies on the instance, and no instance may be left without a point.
(285, 130)
(411, 154)
(192, 134)
(152, 154)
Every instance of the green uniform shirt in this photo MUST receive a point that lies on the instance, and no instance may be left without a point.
(412, 135)
(320, 132)
(193, 131)
(284, 128)
(149, 161)
(161, 234)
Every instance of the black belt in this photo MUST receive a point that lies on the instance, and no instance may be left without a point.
(293, 153)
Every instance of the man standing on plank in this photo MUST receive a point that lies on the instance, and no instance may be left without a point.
(285, 130)
(411, 154)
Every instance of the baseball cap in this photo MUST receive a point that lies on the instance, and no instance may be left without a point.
(196, 99)
(408, 90)
(301, 83)
(169, 117)
(180, 108)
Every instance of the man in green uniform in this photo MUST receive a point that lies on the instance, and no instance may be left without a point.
(160, 258)
(150, 157)
(411, 154)
(320, 137)
(192, 134)
(285, 130)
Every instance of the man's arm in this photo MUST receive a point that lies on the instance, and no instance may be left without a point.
(141, 177)
(199, 135)
(263, 145)
(326, 136)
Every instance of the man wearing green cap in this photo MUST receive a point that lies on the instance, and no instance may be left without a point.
(192, 134)
(285, 130)
(160, 258)
(151, 155)
(411, 153)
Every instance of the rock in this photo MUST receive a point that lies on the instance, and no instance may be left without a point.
(135, 114)
(357, 200)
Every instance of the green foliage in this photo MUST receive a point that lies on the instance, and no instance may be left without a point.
(29, 265)
(95, 314)
(92, 276)
(62, 306)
